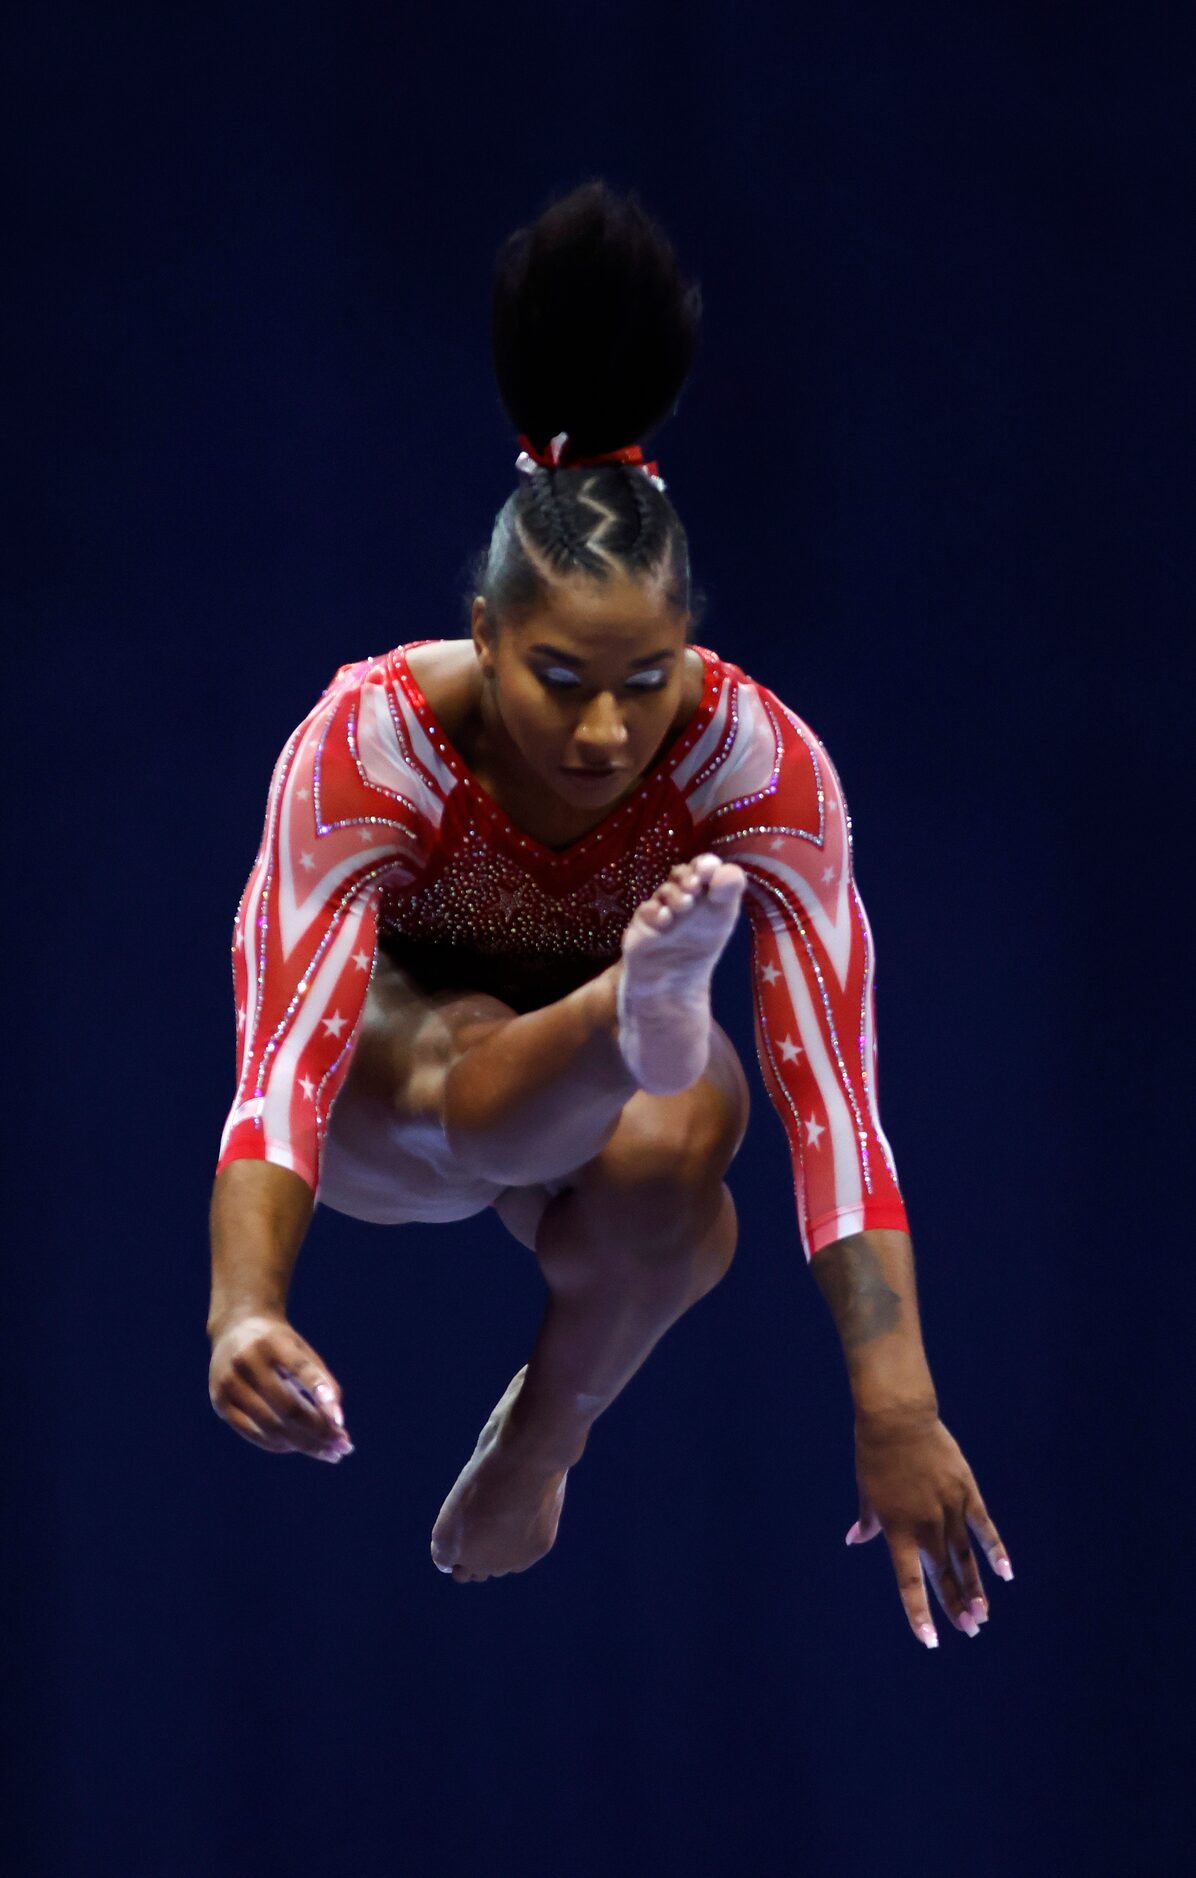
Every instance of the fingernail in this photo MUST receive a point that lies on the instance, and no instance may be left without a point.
(1003, 1569)
(928, 1636)
(968, 1624)
(327, 1454)
(979, 1610)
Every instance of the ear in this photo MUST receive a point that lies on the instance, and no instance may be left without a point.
(480, 629)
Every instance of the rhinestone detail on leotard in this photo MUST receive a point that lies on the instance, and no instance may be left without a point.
(489, 895)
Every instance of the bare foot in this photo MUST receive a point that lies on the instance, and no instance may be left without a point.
(670, 950)
(503, 1512)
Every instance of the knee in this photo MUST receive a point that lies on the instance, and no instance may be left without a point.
(658, 1190)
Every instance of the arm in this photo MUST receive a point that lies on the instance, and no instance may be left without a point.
(868, 1283)
(264, 1379)
(303, 945)
(259, 1218)
(813, 965)
(813, 971)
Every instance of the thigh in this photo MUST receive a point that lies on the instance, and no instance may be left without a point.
(660, 1142)
(386, 1159)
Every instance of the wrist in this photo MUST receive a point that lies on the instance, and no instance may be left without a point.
(896, 1386)
(225, 1315)
(895, 1380)
(891, 1414)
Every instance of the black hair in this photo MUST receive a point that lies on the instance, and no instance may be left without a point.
(594, 331)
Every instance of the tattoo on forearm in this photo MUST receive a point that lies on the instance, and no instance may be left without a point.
(852, 1280)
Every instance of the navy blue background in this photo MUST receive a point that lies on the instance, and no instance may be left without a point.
(931, 465)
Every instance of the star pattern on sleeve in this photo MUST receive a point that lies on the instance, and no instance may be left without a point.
(782, 815)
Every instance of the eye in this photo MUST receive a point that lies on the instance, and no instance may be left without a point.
(557, 679)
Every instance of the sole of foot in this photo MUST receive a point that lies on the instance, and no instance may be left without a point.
(496, 1519)
(670, 950)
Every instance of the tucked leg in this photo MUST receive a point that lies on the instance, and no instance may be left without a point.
(646, 1229)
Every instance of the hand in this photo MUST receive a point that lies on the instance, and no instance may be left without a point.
(270, 1385)
(916, 1488)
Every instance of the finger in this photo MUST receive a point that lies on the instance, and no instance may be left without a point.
(277, 1410)
(963, 1559)
(247, 1427)
(305, 1374)
(936, 1558)
(912, 1586)
(863, 1530)
(306, 1425)
(867, 1525)
(989, 1537)
(251, 1416)
(304, 1422)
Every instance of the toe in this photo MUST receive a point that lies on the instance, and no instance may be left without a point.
(726, 879)
(675, 896)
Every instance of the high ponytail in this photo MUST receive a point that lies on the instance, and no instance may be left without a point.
(594, 332)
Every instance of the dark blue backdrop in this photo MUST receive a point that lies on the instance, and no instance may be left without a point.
(931, 466)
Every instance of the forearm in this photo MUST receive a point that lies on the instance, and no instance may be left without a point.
(259, 1216)
(867, 1280)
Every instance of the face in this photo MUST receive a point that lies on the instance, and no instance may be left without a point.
(583, 691)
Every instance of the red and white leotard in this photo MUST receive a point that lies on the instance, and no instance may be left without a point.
(375, 827)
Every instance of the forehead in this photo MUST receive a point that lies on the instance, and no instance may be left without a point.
(590, 618)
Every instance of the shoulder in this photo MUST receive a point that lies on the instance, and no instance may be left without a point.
(756, 753)
(447, 673)
(752, 701)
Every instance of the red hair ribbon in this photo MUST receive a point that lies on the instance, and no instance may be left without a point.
(555, 457)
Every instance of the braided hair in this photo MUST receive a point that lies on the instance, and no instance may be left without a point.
(594, 332)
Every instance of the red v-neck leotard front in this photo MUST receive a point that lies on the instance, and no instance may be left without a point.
(376, 829)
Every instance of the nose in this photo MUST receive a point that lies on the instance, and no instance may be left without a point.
(601, 736)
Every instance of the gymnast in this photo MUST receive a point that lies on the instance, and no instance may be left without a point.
(472, 961)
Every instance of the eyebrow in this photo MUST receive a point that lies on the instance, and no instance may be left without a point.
(567, 658)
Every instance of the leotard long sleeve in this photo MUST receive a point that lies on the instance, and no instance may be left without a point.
(374, 824)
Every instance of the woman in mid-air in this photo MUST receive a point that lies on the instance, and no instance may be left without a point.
(472, 961)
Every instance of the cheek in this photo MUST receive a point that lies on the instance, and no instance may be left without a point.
(531, 719)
